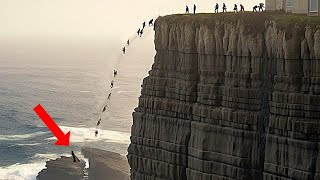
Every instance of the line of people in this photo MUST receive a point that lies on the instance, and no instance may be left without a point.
(224, 8)
(115, 72)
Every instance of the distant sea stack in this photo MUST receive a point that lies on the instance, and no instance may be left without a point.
(230, 96)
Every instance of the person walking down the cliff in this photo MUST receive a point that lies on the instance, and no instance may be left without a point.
(75, 158)
(235, 9)
(216, 8)
(255, 8)
(96, 133)
(241, 8)
(104, 108)
(141, 32)
(261, 6)
(138, 31)
(124, 50)
(224, 7)
(109, 96)
(151, 23)
(194, 9)
(143, 25)
(187, 10)
(115, 73)
(111, 84)
(99, 121)
(128, 42)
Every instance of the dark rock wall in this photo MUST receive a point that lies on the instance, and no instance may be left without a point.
(223, 102)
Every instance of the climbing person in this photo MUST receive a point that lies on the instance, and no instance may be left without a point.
(255, 8)
(261, 6)
(187, 10)
(241, 8)
(124, 50)
(194, 9)
(111, 84)
(104, 108)
(141, 32)
(75, 158)
(109, 96)
(115, 73)
(128, 42)
(99, 121)
(138, 31)
(151, 22)
(224, 7)
(143, 25)
(216, 8)
(235, 9)
(96, 133)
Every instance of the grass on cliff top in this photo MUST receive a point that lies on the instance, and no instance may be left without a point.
(253, 22)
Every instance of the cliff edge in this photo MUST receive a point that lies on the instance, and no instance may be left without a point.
(230, 96)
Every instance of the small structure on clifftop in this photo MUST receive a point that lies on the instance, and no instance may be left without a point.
(308, 7)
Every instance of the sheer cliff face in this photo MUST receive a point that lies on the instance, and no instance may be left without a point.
(229, 97)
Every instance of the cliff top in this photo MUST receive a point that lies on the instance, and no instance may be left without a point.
(254, 22)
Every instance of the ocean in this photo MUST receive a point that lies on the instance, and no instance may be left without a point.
(71, 80)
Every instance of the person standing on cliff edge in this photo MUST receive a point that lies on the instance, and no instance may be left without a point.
(241, 8)
(75, 158)
(194, 9)
(187, 10)
(216, 8)
(224, 7)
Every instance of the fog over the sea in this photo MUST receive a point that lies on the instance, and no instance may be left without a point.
(91, 18)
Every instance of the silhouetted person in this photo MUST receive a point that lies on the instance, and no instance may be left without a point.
(235, 9)
(143, 25)
(224, 7)
(124, 50)
(138, 31)
(241, 8)
(261, 6)
(98, 123)
(104, 108)
(115, 73)
(109, 96)
(75, 158)
(141, 32)
(255, 8)
(216, 8)
(96, 133)
(128, 42)
(194, 9)
(187, 10)
(111, 84)
(151, 22)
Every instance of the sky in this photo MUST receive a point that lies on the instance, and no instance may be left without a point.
(90, 18)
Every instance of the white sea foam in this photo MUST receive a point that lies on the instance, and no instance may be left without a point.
(83, 135)
(20, 136)
(21, 171)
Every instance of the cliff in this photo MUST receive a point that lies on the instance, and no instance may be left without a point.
(230, 96)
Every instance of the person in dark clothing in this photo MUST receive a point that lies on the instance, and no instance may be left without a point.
(241, 8)
(128, 42)
(235, 9)
(187, 10)
(96, 133)
(224, 7)
(255, 8)
(115, 73)
(216, 8)
(261, 6)
(98, 123)
(111, 84)
(194, 9)
(143, 25)
(141, 32)
(151, 22)
(124, 50)
(104, 108)
(109, 96)
(138, 31)
(75, 158)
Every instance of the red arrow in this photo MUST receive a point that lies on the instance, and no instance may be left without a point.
(63, 139)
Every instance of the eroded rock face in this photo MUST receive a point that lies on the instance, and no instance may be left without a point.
(223, 101)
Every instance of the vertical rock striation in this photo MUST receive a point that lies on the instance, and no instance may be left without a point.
(230, 96)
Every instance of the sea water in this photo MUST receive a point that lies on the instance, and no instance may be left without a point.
(71, 80)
